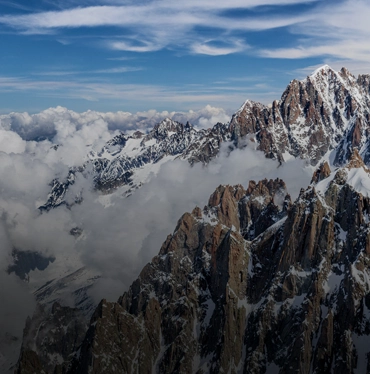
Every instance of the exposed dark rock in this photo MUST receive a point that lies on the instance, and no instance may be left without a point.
(55, 336)
(321, 173)
(293, 298)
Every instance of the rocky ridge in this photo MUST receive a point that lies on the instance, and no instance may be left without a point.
(326, 114)
(327, 111)
(127, 160)
(251, 283)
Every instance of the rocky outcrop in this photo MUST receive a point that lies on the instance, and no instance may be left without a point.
(249, 211)
(185, 288)
(51, 340)
(322, 172)
(261, 125)
(325, 111)
(251, 283)
(355, 161)
(291, 298)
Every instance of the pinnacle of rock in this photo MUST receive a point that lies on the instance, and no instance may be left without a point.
(356, 161)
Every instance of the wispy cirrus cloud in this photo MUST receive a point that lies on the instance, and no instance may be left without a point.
(56, 73)
(154, 25)
(139, 95)
(159, 14)
(343, 49)
(209, 47)
(113, 70)
(145, 46)
(335, 32)
(117, 70)
(122, 58)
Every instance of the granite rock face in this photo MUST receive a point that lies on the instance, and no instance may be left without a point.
(181, 314)
(322, 172)
(328, 110)
(251, 283)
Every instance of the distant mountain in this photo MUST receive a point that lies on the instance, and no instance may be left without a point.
(326, 114)
(128, 160)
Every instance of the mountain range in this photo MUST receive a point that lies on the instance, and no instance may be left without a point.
(328, 112)
(253, 282)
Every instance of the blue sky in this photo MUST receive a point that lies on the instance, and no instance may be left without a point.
(111, 55)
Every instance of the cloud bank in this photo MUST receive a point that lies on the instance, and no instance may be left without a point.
(57, 123)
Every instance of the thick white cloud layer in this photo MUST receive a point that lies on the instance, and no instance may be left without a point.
(10, 142)
(57, 123)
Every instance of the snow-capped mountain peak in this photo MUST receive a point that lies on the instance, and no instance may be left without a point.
(323, 116)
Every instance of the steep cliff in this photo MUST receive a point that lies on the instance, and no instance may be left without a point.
(290, 295)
